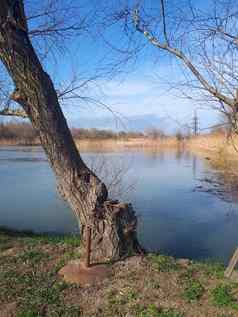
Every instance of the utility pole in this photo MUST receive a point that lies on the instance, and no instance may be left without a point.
(195, 123)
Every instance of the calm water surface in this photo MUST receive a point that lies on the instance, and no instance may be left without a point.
(174, 217)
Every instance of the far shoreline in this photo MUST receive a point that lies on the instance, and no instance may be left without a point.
(214, 147)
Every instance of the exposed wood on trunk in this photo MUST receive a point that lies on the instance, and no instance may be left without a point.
(113, 225)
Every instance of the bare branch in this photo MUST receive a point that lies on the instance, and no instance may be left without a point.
(13, 113)
(164, 21)
(234, 38)
(180, 55)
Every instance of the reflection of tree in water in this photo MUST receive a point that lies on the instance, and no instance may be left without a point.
(161, 154)
(194, 165)
(179, 154)
(221, 180)
(155, 154)
(188, 155)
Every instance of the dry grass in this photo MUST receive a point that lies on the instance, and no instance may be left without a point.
(207, 145)
(221, 152)
(222, 156)
(125, 144)
(19, 142)
(108, 144)
(215, 144)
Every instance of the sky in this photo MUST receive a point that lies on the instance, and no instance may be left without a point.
(140, 88)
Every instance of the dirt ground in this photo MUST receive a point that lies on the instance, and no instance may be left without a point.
(149, 286)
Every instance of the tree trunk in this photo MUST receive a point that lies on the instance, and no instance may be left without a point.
(113, 225)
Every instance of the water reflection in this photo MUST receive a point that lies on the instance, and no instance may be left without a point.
(194, 166)
(220, 180)
(173, 217)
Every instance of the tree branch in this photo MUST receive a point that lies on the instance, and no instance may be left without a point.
(13, 113)
(220, 31)
(164, 22)
(180, 55)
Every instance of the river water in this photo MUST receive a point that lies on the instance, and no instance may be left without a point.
(174, 217)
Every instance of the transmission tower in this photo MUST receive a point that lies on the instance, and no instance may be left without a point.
(195, 123)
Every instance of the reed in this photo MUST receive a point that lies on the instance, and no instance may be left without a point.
(215, 145)
(128, 143)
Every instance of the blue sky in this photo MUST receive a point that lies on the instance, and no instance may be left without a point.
(140, 89)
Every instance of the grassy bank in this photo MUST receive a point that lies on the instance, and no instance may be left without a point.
(19, 142)
(127, 144)
(212, 144)
(112, 144)
(222, 156)
(153, 286)
(208, 144)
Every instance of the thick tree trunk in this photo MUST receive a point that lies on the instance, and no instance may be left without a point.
(113, 225)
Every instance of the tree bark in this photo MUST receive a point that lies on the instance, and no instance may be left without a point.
(113, 225)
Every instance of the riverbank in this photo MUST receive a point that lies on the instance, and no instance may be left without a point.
(222, 152)
(152, 286)
(105, 144)
(222, 155)
(5, 142)
(129, 143)
(209, 143)
(215, 145)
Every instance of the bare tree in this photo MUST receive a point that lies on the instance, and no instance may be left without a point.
(113, 224)
(201, 37)
(203, 44)
(155, 133)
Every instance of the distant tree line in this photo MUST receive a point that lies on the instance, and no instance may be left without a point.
(80, 133)
(23, 133)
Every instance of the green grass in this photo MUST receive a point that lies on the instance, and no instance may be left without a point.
(193, 290)
(3, 238)
(153, 284)
(210, 268)
(28, 276)
(66, 311)
(26, 280)
(5, 242)
(119, 302)
(153, 311)
(222, 296)
(125, 296)
(68, 240)
(31, 256)
(43, 293)
(163, 263)
(33, 239)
